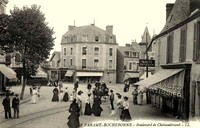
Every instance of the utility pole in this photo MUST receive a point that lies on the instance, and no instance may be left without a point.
(147, 69)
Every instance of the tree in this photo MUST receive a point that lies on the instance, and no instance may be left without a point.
(31, 36)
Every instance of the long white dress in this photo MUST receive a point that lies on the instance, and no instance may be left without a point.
(34, 96)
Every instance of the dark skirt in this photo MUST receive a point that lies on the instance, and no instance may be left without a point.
(96, 109)
(88, 109)
(55, 97)
(125, 115)
(73, 120)
(66, 97)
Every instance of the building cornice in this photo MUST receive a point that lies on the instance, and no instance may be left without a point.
(89, 43)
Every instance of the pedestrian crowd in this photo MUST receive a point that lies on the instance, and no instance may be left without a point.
(119, 107)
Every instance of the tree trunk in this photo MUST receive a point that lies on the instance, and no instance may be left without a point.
(24, 80)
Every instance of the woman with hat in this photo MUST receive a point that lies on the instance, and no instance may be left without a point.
(96, 107)
(88, 109)
(80, 101)
(119, 106)
(73, 119)
(125, 114)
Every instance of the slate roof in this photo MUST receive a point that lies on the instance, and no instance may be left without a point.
(55, 53)
(88, 29)
(181, 10)
(123, 49)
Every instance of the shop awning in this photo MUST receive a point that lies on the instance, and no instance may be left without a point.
(159, 76)
(131, 75)
(69, 73)
(8, 72)
(40, 74)
(89, 74)
(144, 75)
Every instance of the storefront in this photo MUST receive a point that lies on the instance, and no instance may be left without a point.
(89, 76)
(7, 75)
(169, 89)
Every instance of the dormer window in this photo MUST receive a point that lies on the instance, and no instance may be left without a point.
(96, 38)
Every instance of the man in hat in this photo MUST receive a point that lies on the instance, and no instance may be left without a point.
(15, 105)
(111, 102)
(6, 105)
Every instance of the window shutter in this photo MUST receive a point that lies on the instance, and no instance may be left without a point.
(195, 43)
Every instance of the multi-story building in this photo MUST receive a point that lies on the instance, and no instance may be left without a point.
(88, 53)
(54, 66)
(176, 83)
(128, 63)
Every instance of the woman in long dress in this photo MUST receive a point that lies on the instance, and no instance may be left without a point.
(80, 102)
(119, 106)
(66, 95)
(73, 119)
(125, 114)
(34, 96)
(96, 107)
(55, 95)
(88, 109)
(140, 98)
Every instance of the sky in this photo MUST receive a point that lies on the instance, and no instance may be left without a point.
(128, 17)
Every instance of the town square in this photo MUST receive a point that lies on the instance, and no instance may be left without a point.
(98, 63)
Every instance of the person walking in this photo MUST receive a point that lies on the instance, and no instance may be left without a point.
(119, 106)
(88, 109)
(80, 102)
(76, 86)
(73, 119)
(96, 107)
(34, 95)
(60, 84)
(39, 91)
(15, 105)
(140, 98)
(111, 102)
(89, 86)
(125, 115)
(6, 105)
(55, 95)
(135, 94)
(66, 95)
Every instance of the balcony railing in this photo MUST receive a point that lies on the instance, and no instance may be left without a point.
(89, 68)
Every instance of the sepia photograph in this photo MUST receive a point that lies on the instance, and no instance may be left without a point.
(99, 63)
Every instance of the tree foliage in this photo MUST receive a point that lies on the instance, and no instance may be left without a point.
(32, 36)
(27, 32)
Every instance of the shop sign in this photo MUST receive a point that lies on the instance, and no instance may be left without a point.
(146, 63)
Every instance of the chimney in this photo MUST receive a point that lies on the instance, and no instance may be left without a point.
(70, 27)
(109, 29)
(128, 45)
(169, 8)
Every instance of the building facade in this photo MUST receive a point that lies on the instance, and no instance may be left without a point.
(128, 63)
(88, 54)
(54, 67)
(177, 61)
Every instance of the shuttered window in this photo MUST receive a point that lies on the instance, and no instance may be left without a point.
(183, 45)
(170, 43)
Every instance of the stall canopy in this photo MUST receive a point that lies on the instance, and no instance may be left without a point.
(69, 73)
(144, 75)
(89, 74)
(131, 75)
(40, 74)
(159, 76)
(8, 72)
